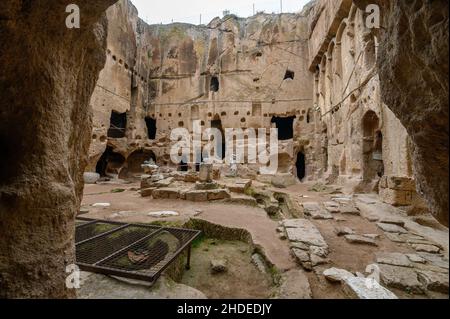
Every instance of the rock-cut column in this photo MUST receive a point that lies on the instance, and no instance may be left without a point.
(47, 75)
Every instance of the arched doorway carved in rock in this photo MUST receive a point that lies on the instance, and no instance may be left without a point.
(300, 165)
(372, 147)
(109, 163)
(134, 163)
(217, 123)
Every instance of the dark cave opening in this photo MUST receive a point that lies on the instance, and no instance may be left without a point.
(151, 127)
(285, 126)
(289, 75)
(118, 125)
(300, 164)
(214, 85)
(109, 163)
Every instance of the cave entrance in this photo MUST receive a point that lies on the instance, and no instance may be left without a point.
(151, 127)
(372, 147)
(183, 165)
(285, 126)
(289, 75)
(118, 125)
(197, 164)
(221, 144)
(135, 161)
(109, 163)
(300, 164)
(214, 84)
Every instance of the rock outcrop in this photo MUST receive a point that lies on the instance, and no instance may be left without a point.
(47, 77)
(413, 67)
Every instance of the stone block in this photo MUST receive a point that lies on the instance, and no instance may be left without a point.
(396, 197)
(197, 196)
(401, 183)
(218, 194)
(147, 192)
(166, 193)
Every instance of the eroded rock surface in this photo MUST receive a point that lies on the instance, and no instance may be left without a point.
(44, 136)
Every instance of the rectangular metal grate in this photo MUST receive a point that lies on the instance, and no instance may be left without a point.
(132, 251)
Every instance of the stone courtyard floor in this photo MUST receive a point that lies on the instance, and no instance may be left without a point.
(306, 253)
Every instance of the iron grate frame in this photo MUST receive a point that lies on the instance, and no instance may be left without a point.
(101, 245)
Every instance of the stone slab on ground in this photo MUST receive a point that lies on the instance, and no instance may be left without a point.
(358, 288)
(317, 260)
(331, 207)
(311, 206)
(301, 255)
(314, 210)
(294, 285)
(321, 214)
(366, 199)
(300, 246)
(101, 205)
(436, 260)
(342, 231)
(163, 214)
(349, 210)
(304, 232)
(319, 251)
(390, 228)
(393, 220)
(356, 239)
(416, 258)
(394, 259)
(303, 258)
(426, 248)
(403, 278)
(434, 281)
(371, 236)
(337, 275)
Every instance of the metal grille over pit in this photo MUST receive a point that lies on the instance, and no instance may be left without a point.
(132, 251)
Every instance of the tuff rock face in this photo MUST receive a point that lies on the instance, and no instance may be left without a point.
(375, 114)
(413, 66)
(47, 77)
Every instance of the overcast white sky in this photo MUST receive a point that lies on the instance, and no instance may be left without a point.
(189, 10)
